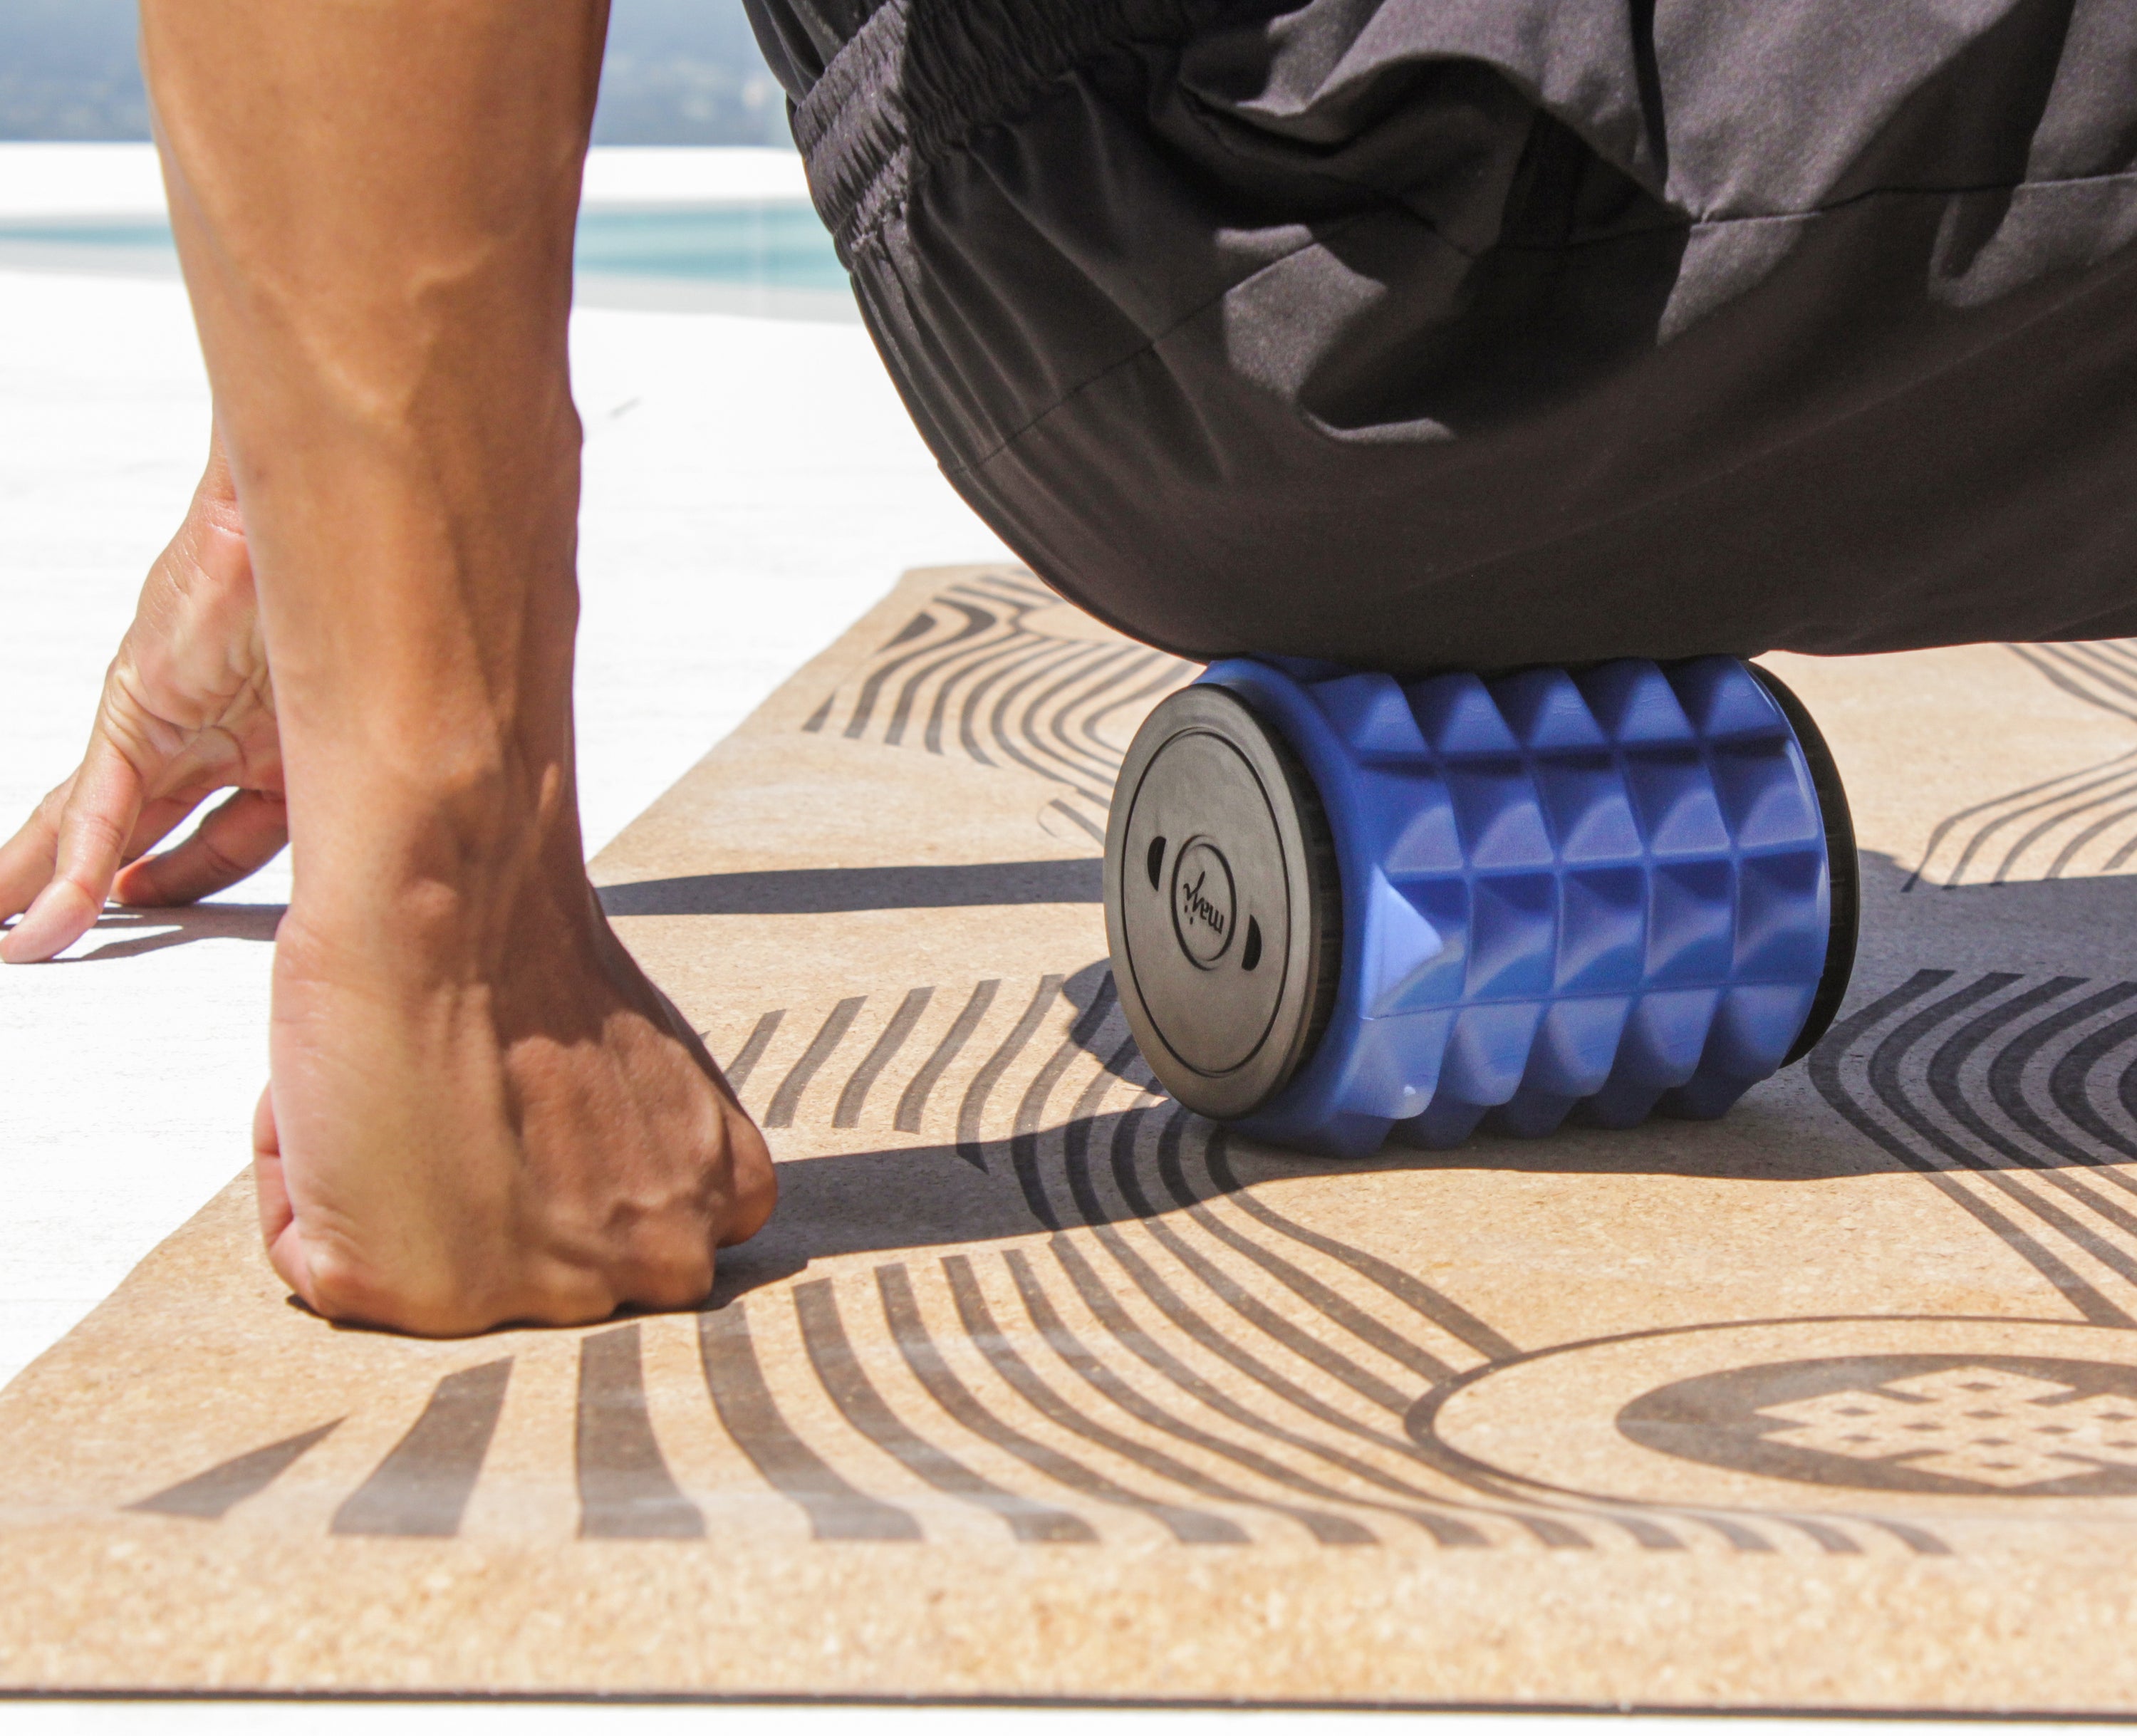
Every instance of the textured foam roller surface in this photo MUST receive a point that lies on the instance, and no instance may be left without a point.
(1599, 895)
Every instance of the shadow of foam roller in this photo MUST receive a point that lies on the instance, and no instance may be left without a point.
(817, 892)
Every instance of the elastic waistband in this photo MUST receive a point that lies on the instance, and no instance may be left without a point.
(921, 77)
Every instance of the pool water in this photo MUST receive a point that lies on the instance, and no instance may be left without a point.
(771, 244)
(780, 246)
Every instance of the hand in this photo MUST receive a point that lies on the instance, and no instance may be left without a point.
(187, 709)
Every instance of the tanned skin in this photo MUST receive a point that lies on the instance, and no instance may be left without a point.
(481, 1110)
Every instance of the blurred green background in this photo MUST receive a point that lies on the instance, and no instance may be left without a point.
(679, 72)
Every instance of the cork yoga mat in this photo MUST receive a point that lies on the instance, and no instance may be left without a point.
(1037, 1387)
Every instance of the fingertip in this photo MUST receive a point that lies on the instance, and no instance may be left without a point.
(232, 842)
(26, 858)
(61, 914)
(139, 884)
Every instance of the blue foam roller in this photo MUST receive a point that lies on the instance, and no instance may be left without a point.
(1342, 908)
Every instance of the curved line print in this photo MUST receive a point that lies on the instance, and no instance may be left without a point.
(969, 665)
(1942, 1127)
(2102, 673)
(1147, 1243)
(2074, 667)
(1256, 1321)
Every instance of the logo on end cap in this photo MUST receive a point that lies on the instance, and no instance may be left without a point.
(1203, 902)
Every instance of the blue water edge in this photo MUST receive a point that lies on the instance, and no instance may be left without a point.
(765, 244)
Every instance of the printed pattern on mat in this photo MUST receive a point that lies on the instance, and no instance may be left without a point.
(2080, 821)
(967, 676)
(1106, 1339)
(2015, 1096)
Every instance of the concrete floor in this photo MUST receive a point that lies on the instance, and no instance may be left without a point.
(751, 485)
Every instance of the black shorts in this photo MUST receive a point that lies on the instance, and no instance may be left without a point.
(1429, 333)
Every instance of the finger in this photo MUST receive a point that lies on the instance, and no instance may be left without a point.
(278, 1218)
(93, 831)
(237, 838)
(160, 816)
(26, 859)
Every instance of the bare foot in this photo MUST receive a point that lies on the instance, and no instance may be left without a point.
(492, 1117)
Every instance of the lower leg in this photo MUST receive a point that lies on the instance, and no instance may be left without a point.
(480, 1110)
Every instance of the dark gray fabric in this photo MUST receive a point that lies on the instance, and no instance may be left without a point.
(1425, 333)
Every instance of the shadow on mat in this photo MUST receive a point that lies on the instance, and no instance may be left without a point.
(2097, 910)
(1953, 1023)
(815, 891)
(144, 931)
(927, 1198)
